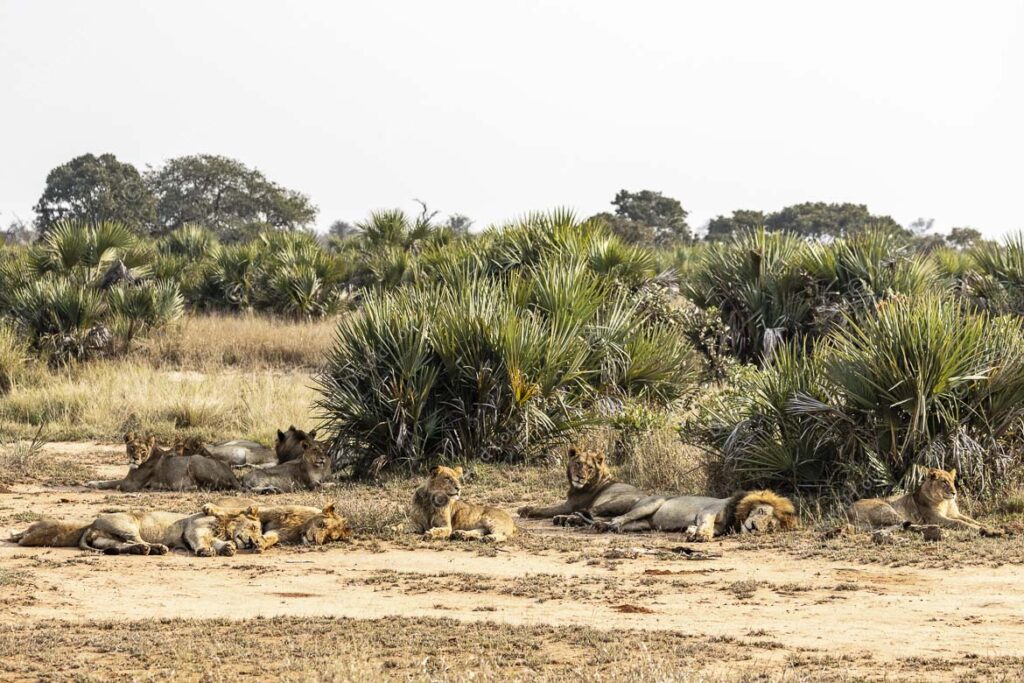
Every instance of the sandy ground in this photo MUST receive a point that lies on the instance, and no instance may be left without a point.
(812, 603)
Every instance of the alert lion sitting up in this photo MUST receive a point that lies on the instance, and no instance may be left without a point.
(439, 514)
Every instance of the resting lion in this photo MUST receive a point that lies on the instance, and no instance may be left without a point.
(156, 532)
(438, 513)
(183, 468)
(304, 474)
(934, 502)
(242, 453)
(289, 524)
(52, 533)
(591, 489)
(704, 518)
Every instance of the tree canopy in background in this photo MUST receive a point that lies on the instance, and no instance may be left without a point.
(96, 189)
(821, 219)
(724, 227)
(226, 196)
(648, 218)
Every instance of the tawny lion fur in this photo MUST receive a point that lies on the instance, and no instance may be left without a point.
(438, 513)
(933, 502)
(289, 524)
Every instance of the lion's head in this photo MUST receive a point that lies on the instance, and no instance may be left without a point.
(765, 512)
(138, 448)
(289, 443)
(444, 485)
(585, 469)
(326, 527)
(315, 456)
(938, 485)
(243, 528)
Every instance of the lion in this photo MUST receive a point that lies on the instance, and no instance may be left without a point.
(304, 474)
(933, 502)
(242, 453)
(592, 491)
(156, 532)
(52, 533)
(185, 467)
(289, 524)
(438, 513)
(703, 518)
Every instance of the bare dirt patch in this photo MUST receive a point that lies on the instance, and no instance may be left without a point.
(782, 607)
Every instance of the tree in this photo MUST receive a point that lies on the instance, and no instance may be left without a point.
(96, 189)
(819, 219)
(226, 196)
(724, 227)
(17, 232)
(648, 217)
(342, 230)
(458, 223)
(964, 238)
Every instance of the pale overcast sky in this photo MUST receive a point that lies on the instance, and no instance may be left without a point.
(495, 109)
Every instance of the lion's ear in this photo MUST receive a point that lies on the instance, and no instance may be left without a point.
(305, 445)
(252, 511)
(571, 452)
(291, 428)
(328, 509)
(436, 470)
(280, 435)
(129, 437)
(312, 434)
(600, 457)
(952, 473)
(933, 474)
(151, 441)
(458, 471)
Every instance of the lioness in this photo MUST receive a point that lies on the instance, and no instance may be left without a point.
(704, 518)
(183, 468)
(52, 533)
(289, 524)
(156, 532)
(438, 513)
(591, 489)
(934, 502)
(242, 453)
(304, 474)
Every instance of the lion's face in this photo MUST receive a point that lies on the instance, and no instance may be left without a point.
(289, 445)
(760, 512)
(939, 485)
(245, 530)
(326, 527)
(192, 445)
(584, 468)
(315, 455)
(444, 485)
(137, 448)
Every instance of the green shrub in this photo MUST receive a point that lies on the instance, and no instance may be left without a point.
(491, 369)
(918, 382)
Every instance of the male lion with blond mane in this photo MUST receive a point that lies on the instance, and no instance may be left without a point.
(438, 513)
(156, 532)
(933, 502)
(289, 524)
(703, 518)
(592, 491)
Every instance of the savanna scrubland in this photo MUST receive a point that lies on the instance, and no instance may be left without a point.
(825, 366)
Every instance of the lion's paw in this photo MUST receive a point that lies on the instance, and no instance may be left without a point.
(204, 552)
(158, 549)
(227, 550)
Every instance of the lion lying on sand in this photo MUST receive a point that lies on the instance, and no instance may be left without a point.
(289, 524)
(592, 489)
(933, 502)
(151, 532)
(438, 513)
(704, 518)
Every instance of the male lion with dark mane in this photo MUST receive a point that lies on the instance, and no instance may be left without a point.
(438, 513)
(592, 490)
(703, 518)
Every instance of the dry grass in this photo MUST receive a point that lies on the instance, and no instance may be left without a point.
(95, 401)
(208, 343)
(23, 462)
(422, 649)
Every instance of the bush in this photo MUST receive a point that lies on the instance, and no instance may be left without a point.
(918, 382)
(12, 358)
(491, 368)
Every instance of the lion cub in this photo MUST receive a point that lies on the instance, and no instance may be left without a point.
(934, 502)
(438, 513)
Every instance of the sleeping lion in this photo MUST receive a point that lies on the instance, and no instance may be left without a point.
(703, 518)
